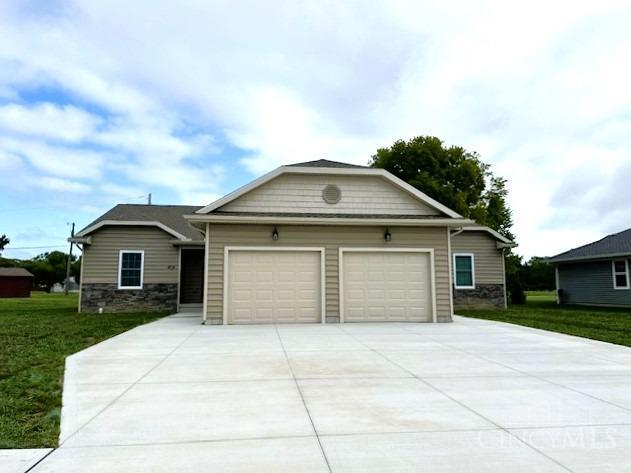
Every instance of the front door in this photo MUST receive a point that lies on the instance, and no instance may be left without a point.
(192, 277)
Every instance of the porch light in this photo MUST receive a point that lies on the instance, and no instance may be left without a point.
(387, 236)
(274, 234)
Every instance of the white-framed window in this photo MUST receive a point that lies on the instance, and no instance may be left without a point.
(464, 270)
(130, 269)
(620, 271)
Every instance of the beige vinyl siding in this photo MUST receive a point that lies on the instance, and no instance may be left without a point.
(303, 193)
(487, 258)
(331, 238)
(100, 259)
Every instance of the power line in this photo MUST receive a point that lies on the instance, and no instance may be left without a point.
(33, 247)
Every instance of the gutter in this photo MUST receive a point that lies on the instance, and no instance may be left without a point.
(198, 220)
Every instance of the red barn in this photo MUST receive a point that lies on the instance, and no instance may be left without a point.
(15, 282)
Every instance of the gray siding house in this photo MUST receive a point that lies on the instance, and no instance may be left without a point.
(597, 273)
(313, 242)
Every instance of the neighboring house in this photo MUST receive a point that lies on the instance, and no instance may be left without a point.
(311, 242)
(597, 273)
(15, 282)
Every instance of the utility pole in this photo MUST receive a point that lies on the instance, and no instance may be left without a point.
(149, 199)
(69, 262)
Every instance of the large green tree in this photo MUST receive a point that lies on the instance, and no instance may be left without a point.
(50, 268)
(453, 176)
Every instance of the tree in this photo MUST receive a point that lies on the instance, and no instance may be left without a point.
(49, 268)
(453, 176)
(458, 179)
(538, 274)
(4, 241)
(514, 285)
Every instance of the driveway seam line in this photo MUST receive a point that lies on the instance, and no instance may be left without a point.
(304, 403)
(459, 403)
(113, 401)
(534, 376)
(40, 460)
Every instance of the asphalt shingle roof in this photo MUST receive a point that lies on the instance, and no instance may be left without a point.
(616, 244)
(170, 215)
(15, 272)
(325, 163)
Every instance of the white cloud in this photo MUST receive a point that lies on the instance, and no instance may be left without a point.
(61, 185)
(60, 161)
(9, 163)
(67, 123)
(540, 89)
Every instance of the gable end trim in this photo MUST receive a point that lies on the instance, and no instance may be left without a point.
(330, 171)
(135, 223)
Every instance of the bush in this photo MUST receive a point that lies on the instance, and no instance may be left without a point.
(516, 291)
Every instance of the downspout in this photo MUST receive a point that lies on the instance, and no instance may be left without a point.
(504, 277)
(449, 266)
(205, 304)
(556, 283)
(457, 232)
(80, 276)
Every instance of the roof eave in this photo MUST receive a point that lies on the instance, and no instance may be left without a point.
(556, 259)
(142, 223)
(433, 222)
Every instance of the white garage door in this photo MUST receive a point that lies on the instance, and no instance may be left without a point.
(380, 286)
(273, 287)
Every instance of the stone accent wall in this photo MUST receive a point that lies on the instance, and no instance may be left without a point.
(484, 296)
(152, 297)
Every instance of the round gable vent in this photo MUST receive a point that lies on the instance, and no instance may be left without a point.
(331, 194)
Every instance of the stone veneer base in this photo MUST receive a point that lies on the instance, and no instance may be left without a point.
(151, 298)
(484, 296)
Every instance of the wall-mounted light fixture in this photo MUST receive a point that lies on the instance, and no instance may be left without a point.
(275, 234)
(387, 236)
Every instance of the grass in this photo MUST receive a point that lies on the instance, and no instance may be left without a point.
(541, 311)
(36, 335)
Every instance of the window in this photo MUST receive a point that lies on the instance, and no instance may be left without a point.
(463, 271)
(130, 269)
(620, 270)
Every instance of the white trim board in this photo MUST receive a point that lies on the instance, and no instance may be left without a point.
(226, 279)
(330, 171)
(142, 268)
(615, 273)
(432, 270)
(455, 276)
(134, 223)
(363, 221)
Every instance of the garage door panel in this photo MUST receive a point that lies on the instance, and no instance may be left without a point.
(386, 286)
(273, 286)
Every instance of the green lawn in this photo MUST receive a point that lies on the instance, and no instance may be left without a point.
(541, 311)
(36, 335)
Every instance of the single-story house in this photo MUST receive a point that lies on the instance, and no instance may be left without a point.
(597, 273)
(15, 282)
(319, 241)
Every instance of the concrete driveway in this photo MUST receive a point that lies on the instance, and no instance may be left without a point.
(472, 396)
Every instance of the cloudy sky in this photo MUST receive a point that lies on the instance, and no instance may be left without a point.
(102, 102)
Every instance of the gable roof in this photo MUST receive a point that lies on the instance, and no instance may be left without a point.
(336, 169)
(169, 218)
(7, 272)
(325, 163)
(617, 244)
(498, 236)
